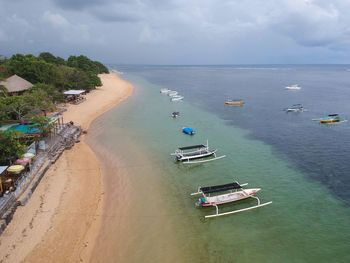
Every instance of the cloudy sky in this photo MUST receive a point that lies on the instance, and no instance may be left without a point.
(180, 31)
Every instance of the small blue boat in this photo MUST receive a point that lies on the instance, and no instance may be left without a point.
(188, 130)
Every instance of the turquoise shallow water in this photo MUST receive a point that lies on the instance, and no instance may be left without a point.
(157, 215)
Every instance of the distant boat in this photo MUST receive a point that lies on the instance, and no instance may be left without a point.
(189, 154)
(293, 87)
(295, 108)
(331, 118)
(177, 98)
(175, 114)
(188, 130)
(173, 93)
(239, 102)
(165, 91)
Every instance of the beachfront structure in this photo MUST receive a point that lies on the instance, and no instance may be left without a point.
(15, 85)
(75, 96)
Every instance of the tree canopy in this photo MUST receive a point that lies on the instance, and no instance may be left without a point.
(50, 76)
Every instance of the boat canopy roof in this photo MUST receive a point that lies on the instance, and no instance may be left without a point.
(192, 147)
(220, 188)
(333, 115)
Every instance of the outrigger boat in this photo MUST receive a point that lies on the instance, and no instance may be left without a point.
(165, 91)
(295, 108)
(232, 192)
(239, 103)
(189, 154)
(176, 98)
(330, 119)
(175, 114)
(172, 93)
(293, 87)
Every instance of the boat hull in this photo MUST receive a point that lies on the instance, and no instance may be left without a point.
(329, 121)
(197, 155)
(229, 197)
(234, 103)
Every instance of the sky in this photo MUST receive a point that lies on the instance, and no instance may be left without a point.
(180, 31)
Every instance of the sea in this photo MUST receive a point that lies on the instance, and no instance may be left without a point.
(300, 165)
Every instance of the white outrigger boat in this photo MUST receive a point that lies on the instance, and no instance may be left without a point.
(172, 93)
(295, 108)
(177, 98)
(189, 154)
(293, 87)
(165, 91)
(233, 192)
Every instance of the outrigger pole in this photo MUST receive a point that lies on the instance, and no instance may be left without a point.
(237, 211)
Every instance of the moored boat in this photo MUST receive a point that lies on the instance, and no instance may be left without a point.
(226, 193)
(172, 93)
(165, 91)
(238, 102)
(293, 87)
(176, 98)
(331, 118)
(175, 114)
(295, 108)
(188, 154)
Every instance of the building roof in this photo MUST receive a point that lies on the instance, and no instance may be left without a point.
(16, 84)
(73, 92)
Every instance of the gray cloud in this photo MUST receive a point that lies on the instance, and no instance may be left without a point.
(78, 4)
(180, 31)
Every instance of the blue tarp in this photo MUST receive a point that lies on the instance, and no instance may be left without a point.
(188, 130)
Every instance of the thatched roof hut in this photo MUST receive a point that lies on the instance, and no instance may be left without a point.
(16, 84)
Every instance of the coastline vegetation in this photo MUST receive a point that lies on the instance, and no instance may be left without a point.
(50, 76)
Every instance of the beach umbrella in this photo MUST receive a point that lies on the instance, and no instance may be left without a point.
(16, 169)
(23, 161)
(29, 155)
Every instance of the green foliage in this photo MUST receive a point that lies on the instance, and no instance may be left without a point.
(10, 147)
(51, 76)
(102, 68)
(83, 63)
(51, 93)
(14, 107)
(49, 58)
(91, 68)
(42, 123)
(33, 69)
(3, 91)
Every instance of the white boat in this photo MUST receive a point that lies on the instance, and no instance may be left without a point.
(293, 87)
(172, 93)
(295, 108)
(189, 154)
(232, 192)
(165, 91)
(177, 98)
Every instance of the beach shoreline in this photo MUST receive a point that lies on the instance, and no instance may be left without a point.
(62, 219)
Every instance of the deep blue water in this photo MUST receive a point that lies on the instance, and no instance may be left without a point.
(321, 152)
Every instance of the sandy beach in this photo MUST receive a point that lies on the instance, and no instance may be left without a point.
(62, 219)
